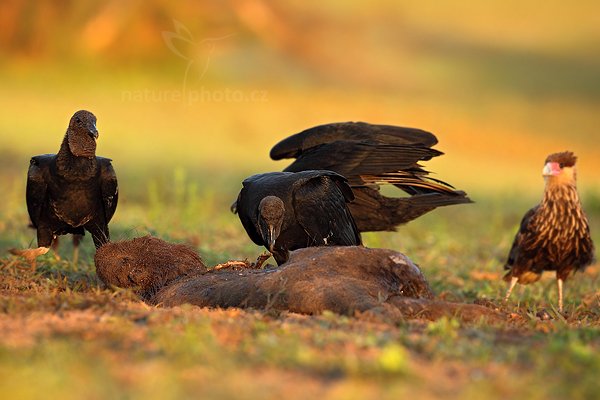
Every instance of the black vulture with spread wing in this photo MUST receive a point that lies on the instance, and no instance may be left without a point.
(285, 211)
(554, 235)
(71, 191)
(370, 155)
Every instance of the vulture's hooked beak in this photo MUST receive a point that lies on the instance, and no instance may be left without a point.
(93, 132)
(271, 239)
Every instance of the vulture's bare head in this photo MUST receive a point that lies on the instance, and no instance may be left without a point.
(271, 211)
(559, 168)
(82, 134)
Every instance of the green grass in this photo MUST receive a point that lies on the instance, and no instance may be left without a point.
(67, 336)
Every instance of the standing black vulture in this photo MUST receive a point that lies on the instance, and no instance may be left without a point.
(72, 190)
(370, 155)
(285, 211)
(554, 235)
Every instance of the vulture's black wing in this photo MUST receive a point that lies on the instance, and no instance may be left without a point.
(296, 145)
(367, 155)
(374, 212)
(320, 208)
(35, 192)
(366, 163)
(108, 187)
(246, 210)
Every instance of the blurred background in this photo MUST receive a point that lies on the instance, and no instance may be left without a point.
(191, 95)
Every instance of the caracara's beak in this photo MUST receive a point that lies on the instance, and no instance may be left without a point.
(93, 131)
(551, 169)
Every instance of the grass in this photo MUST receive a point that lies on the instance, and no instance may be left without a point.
(66, 335)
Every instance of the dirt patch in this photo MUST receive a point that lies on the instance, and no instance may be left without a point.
(350, 280)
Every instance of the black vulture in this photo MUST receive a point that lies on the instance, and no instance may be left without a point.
(71, 191)
(285, 211)
(554, 235)
(370, 155)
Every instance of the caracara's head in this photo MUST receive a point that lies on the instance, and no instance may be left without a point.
(271, 211)
(82, 134)
(560, 168)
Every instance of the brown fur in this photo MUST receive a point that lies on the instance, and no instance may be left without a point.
(339, 279)
(145, 264)
(349, 280)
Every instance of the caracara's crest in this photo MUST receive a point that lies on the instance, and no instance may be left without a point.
(564, 159)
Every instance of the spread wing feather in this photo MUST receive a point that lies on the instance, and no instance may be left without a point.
(369, 156)
(295, 145)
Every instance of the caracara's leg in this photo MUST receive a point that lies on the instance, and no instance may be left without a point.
(559, 283)
(76, 241)
(513, 282)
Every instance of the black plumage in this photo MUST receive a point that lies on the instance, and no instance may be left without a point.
(554, 235)
(285, 211)
(370, 155)
(73, 190)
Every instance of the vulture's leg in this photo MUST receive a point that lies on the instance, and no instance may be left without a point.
(54, 248)
(76, 241)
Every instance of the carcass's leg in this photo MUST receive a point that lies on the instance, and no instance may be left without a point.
(513, 282)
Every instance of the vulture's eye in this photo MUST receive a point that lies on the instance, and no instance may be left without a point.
(561, 165)
(78, 120)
